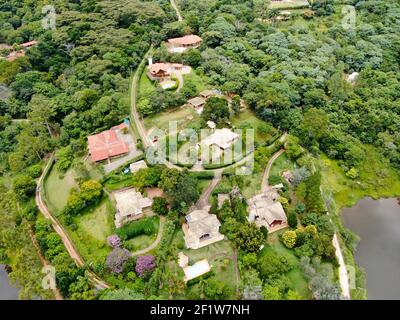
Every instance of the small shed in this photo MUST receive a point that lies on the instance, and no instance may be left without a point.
(207, 94)
(197, 102)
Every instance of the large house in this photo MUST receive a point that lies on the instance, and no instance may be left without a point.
(107, 144)
(221, 138)
(265, 211)
(201, 229)
(131, 205)
(179, 45)
(161, 71)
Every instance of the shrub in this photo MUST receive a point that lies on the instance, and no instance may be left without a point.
(34, 171)
(160, 206)
(24, 187)
(144, 265)
(136, 228)
(114, 241)
(116, 260)
(289, 239)
(292, 220)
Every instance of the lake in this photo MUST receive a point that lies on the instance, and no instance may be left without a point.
(7, 291)
(377, 222)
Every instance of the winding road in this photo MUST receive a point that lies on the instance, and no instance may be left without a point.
(73, 253)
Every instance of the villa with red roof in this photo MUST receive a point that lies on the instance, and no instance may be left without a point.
(107, 144)
(179, 45)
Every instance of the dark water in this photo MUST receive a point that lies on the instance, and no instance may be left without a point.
(7, 291)
(377, 222)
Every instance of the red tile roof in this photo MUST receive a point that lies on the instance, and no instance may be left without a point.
(107, 144)
(29, 44)
(186, 40)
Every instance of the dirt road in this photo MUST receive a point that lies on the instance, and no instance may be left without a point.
(73, 253)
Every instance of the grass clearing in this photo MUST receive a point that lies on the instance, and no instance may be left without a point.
(281, 164)
(92, 229)
(247, 118)
(193, 77)
(183, 115)
(146, 86)
(376, 179)
(57, 187)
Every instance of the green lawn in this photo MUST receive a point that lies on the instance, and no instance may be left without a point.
(146, 86)
(57, 187)
(281, 164)
(183, 116)
(289, 5)
(249, 119)
(143, 241)
(198, 80)
(251, 185)
(92, 229)
(298, 282)
(376, 179)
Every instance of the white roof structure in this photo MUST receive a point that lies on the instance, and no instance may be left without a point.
(201, 229)
(265, 211)
(183, 260)
(352, 78)
(196, 270)
(136, 166)
(222, 138)
(211, 124)
(130, 203)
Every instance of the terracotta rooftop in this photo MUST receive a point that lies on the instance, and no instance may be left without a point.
(29, 44)
(186, 40)
(107, 144)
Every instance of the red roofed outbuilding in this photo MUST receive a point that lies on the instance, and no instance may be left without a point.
(107, 144)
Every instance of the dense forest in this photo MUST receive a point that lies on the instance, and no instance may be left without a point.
(292, 74)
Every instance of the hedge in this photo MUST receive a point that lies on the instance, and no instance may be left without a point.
(136, 228)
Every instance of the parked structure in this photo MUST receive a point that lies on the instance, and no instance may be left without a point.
(201, 229)
(131, 205)
(136, 166)
(179, 45)
(107, 144)
(207, 94)
(197, 103)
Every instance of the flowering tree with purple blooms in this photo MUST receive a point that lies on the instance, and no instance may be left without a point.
(145, 264)
(116, 259)
(114, 241)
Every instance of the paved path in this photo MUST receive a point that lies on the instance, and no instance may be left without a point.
(178, 13)
(204, 198)
(73, 253)
(265, 186)
(343, 276)
(155, 243)
(135, 114)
